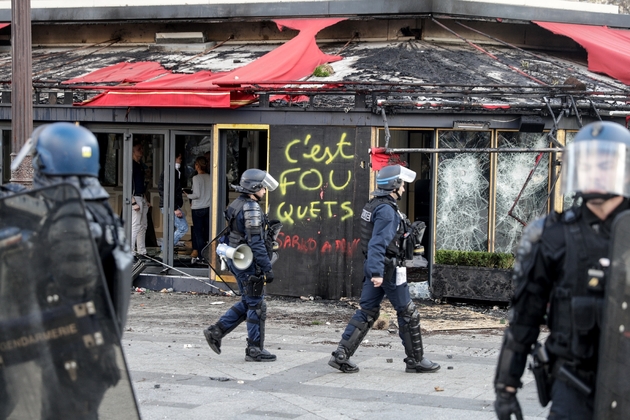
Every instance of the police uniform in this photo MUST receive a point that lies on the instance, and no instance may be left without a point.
(64, 153)
(383, 227)
(247, 224)
(559, 280)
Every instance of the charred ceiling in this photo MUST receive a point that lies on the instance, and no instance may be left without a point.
(403, 75)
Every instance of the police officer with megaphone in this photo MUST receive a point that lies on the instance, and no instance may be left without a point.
(248, 225)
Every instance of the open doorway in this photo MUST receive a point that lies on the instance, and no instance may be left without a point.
(239, 148)
(417, 203)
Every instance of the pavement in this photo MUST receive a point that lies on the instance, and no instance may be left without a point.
(175, 375)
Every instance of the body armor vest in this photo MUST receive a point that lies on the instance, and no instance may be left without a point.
(577, 299)
(394, 248)
(236, 238)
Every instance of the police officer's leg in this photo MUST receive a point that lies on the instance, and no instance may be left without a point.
(230, 320)
(409, 324)
(567, 403)
(256, 317)
(358, 327)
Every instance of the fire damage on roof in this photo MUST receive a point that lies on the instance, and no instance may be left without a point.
(408, 75)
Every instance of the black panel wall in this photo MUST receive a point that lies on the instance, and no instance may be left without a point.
(324, 175)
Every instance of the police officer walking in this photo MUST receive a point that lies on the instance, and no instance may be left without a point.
(559, 279)
(383, 229)
(247, 224)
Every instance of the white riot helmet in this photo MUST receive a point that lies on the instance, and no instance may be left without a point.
(597, 163)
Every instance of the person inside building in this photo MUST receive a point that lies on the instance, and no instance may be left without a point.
(200, 207)
(383, 228)
(179, 217)
(247, 224)
(65, 153)
(139, 204)
(557, 280)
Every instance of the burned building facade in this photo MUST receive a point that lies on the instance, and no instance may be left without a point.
(478, 99)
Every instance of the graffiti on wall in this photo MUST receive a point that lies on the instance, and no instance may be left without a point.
(315, 185)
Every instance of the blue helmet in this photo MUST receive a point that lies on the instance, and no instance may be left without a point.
(65, 149)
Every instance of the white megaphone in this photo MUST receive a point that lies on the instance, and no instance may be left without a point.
(241, 256)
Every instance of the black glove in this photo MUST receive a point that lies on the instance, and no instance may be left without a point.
(506, 404)
(269, 276)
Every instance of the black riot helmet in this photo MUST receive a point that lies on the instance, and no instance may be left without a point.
(253, 180)
(390, 178)
(597, 163)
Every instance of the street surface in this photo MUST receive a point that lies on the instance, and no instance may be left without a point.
(176, 375)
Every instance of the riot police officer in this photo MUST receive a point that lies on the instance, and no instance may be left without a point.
(383, 229)
(247, 224)
(559, 279)
(65, 153)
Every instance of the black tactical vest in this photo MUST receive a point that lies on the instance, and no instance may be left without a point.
(575, 313)
(236, 238)
(395, 248)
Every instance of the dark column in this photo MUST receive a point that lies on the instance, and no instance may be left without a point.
(21, 87)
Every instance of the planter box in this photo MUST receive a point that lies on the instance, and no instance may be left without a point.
(478, 283)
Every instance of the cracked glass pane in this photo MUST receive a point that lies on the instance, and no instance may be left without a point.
(462, 192)
(569, 199)
(513, 169)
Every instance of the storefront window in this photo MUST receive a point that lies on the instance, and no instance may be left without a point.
(109, 145)
(513, 169)
(463, 191)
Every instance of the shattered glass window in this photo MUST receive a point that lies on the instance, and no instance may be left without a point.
(462, 192)
(568, 199)
(513, 171)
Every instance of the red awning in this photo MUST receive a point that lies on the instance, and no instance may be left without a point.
(123, 73)
(4, 24)
(608, 49)
(149, 84)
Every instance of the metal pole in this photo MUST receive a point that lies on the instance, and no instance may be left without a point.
(21, 87)
(478, 150)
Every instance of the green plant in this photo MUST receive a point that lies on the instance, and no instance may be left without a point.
(321, 71)
(474, 259)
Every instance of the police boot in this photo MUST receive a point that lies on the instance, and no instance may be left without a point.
(255, 353)
(213, 335)
(423, 366)
(341, 360)
(412, 340)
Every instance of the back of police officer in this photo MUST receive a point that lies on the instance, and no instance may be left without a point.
(559, 276)
(383, 228)
(65, 153)
(68, 153)
(247, 224)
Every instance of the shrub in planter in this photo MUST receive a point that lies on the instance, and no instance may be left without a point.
(472, 275)
(474, 259)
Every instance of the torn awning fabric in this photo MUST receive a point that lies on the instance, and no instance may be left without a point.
(380, 158)
(608, 49)
(148, 84)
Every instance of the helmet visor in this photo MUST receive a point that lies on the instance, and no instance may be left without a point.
(596, 166)
(407, 175)
(269, 182)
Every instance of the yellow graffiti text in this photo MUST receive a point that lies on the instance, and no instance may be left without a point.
(288, 213)
(317, 152)
(309, 180)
